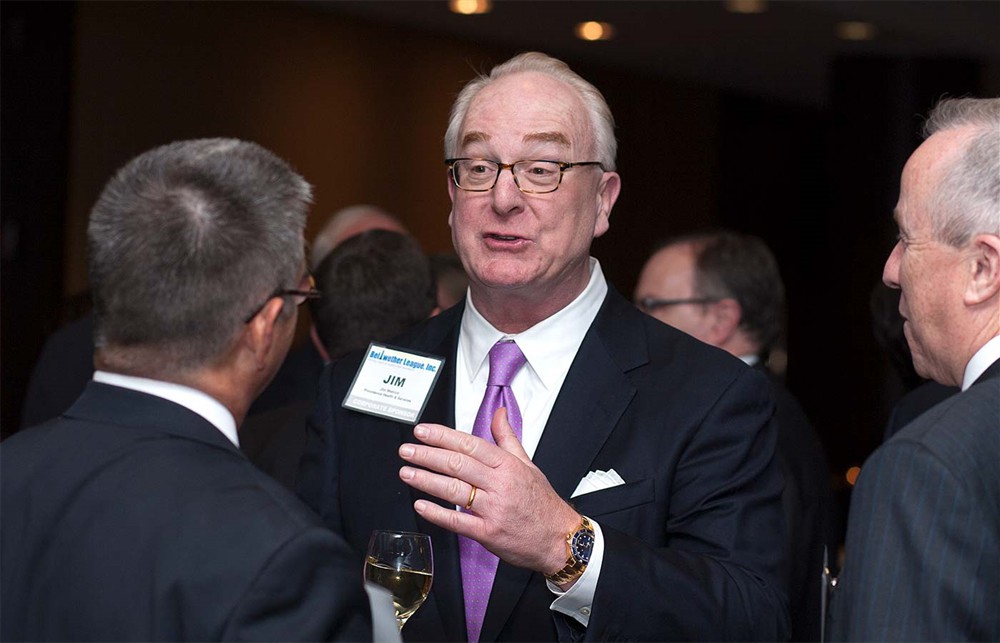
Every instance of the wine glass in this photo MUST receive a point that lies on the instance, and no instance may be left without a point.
(403, 563)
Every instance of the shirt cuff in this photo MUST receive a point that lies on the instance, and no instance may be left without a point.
(577, 601)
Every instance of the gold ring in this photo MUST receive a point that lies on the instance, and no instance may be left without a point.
(472, 496)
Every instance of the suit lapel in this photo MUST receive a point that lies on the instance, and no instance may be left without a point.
(592, 399)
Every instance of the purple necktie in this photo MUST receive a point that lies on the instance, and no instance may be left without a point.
(479, 566)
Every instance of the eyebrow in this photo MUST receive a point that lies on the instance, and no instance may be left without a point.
(475, 137)
(536, 137)
(547, 137)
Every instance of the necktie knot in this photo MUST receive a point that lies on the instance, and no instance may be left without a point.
(506, 359)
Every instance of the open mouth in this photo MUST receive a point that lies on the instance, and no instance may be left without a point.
(502, 237)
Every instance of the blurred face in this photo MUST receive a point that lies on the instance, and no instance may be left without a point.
(532, 246)
(928, 272)
(669, 274)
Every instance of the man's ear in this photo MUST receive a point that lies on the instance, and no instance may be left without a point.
(259, 334)
(984, 270)
(607, 193)
(726, 315)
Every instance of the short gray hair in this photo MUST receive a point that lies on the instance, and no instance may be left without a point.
(602, 123)
(184, 241)
(966, 201)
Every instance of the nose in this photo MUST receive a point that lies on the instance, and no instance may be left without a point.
(505, 196)
(890, 272)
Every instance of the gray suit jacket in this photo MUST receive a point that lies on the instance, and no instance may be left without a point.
(132, 518)
(923, 539)
(694, 541)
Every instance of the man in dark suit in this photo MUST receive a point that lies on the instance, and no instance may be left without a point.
(724, 288)
(134, 515)
(641, 498)
(922, 561)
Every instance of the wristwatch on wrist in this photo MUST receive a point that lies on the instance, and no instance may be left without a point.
(580, 544)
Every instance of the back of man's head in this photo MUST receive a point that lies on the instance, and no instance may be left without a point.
(347, 222)
(729, 264)
(184, 242)
(375, 285)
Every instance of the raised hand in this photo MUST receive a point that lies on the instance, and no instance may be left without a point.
(515, 512)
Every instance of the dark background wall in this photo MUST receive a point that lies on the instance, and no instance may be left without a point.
(360, 109)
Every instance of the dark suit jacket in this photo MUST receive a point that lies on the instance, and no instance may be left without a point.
(133, 518)
(275, 440)
(808, 503)
(295, 381)
(694, 540)
(915, 402)
(922, 555)
(62, 371)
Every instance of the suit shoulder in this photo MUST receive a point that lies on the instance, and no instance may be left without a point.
(960, 436)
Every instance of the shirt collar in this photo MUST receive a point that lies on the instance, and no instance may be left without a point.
(547, 344)
(193, 399)
(984, 357)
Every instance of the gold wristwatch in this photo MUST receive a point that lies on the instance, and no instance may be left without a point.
(580, 544)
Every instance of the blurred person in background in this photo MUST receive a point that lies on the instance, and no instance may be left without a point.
(724, 288)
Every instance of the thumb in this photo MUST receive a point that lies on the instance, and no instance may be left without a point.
(503, 435)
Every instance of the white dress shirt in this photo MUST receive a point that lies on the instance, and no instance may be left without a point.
(986, 355)
(201, 403)
(550, 347)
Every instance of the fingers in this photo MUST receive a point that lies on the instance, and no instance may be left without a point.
(436, 435)
(447, 488)
(450, 464)
(456, 521)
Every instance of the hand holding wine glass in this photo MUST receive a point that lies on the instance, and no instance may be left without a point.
(403, 563)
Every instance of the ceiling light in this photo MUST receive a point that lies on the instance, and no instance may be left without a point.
(746, 6)
(594, 31)
(470, 7)
(856, 30)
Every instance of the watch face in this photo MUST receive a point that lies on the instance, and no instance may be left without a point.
(582, 545)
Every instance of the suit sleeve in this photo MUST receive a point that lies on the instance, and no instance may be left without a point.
(309, 590)
(917, 540)
(718, 577)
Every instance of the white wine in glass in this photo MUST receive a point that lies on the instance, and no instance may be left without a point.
(403, 563)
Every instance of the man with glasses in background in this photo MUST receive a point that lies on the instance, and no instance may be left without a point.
(724, 288)
(134, 515)
(629, 489)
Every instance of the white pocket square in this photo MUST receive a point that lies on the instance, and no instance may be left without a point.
(597, 480)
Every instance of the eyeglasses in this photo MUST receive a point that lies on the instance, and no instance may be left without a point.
(301, 296)
(649, 304)
(530, 177)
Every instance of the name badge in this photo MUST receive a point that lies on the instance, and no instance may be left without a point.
(393, 383)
